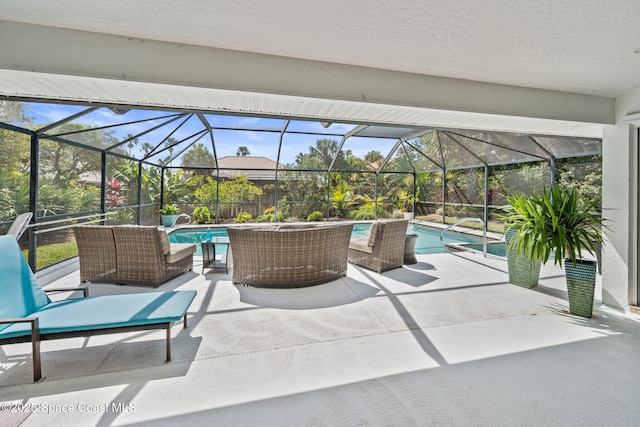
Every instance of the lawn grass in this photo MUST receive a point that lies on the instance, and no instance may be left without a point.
(53, 253)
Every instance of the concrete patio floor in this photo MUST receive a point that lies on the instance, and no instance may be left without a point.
(447, 341)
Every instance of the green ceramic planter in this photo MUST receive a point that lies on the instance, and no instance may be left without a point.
(523, 271)
(581, 283)
(168, 220)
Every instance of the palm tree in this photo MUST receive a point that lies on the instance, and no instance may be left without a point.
(373, 156)
(146, 148)
(325, 150)
(242, 151)
(169, 144)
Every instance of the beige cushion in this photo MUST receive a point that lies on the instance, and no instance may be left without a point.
(258, 228)
(164, 242)
(361, 245)
(296, 226)
(179, 251)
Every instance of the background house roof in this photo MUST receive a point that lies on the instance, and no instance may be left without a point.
(246, 162)
(254, 168)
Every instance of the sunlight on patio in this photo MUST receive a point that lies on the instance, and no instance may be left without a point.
(447, 339)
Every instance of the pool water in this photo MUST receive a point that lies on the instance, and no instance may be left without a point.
(197, 235)
(428, 241)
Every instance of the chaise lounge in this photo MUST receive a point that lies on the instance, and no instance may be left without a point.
(19, 225)
(383, 249)
(28, 315)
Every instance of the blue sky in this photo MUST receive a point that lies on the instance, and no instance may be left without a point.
(259, 142)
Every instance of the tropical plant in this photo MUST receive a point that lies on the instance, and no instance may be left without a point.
(87, 198)
(406, 200)
(202, 215)
(243, 217)
(115, 194)
(315, 216)
(371, 208)
(177, 188)
(53, 200)
(555, 220)
(342, 199)
(363, 214)
(14, 196)
(169, 210)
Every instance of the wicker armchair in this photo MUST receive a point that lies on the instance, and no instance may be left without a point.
(96, 253)
(383, 249)
(289, 256)
(145, 257)
(139, 255)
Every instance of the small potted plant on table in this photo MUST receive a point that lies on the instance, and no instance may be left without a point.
(169, 214)
(556, 221)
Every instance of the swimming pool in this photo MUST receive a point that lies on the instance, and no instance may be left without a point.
(428, 241)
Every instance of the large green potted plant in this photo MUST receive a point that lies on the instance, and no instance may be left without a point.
(557, 221)
(169, 214)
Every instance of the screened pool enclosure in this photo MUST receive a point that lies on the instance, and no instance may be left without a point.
(118, 164)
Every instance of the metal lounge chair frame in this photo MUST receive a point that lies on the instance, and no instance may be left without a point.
(28, 315)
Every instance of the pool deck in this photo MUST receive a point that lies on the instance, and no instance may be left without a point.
(446, 341)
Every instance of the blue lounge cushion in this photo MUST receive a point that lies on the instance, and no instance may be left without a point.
(21, 297)
(105, 312)
(20, 293)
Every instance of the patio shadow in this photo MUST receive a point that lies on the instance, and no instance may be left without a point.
(104, 364)
(409, 276)
(420, 265)
(330, 294)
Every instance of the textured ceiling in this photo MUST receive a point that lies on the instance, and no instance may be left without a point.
(580, 46)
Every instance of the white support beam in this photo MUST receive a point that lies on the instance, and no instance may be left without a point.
(56, 51)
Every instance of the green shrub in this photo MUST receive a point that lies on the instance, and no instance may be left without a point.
(202, 215)
(315, 216)
(367, 212)
(244, 217)
(383, 213)
(364, 214)
(270, 218)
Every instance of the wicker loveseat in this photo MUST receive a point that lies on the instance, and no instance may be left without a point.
(139, 255)
(289, 255)
(383, 249)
